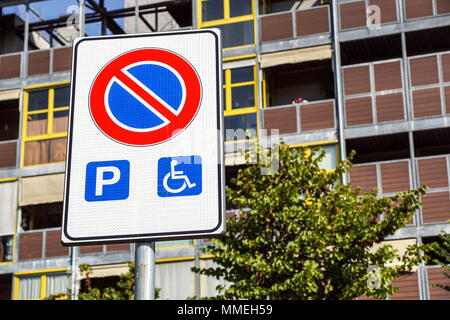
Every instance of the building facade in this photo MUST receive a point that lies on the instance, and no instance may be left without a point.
(366, 75)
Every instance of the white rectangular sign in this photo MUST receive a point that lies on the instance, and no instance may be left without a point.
(145, 142)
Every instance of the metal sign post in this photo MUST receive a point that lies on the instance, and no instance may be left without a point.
(144, 285)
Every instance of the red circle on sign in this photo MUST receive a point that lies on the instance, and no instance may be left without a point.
(176, 123)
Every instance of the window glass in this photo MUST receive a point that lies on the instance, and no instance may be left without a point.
(30, 287)
(240, 7)
(38, 100)
(37, 124)
(237, 34)
(56, 283)
(241, 74)
(60, 119)
(62, 96)
(236, 126)
(212, 10)
(243, 97)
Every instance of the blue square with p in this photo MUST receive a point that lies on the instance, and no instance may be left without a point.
(107, 180)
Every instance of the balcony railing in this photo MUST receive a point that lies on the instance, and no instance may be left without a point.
(301, 118)
(293, 24)
(357, 14)
(46, 243)
(392, 177)
(374, 93)
(40, 62)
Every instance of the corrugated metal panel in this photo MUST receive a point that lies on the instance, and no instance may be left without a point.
(352, 14)
(30, 245)
(364, 177)
(442, 6)
(38, 62)
(358, 111)
(395, 177)
(436, 207)
(91, 249)
(284, 119)
(276, 27)
(433, 172)
(62, 59)
(424, 71)
(427, 102)
(10, 66)
(312, 21)
(356, 80)
(435, 277)
(388, 9)
(317, 116)
(418, 8)
(8, 152)
(388, 76)
(53, 247)
(390, 107)
(408, 288)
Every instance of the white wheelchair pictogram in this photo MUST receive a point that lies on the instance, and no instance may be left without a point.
(176, 175)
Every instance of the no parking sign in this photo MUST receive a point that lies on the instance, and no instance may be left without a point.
(136, 168)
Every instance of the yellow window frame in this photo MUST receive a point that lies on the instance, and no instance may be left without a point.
(43, 278)
(49, 111)
(229, 111)
(226, 20)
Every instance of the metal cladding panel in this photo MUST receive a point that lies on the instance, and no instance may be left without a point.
(353, 15)
(53, 247)
(436, 207)
(395, 177)
(424, 71)
(390, 107)
(8, 154)
(91, 249)
(356, 80)
(62, 59)
(276, 27)
(388, 76)
(317, 116)
(446, 66)
(312, 21)
(283, 119)
(38, 62)
(433, 172)
(427, 102)
(388, 9)
(408, 288)
(364, 177)
(435, 276)
(10, 66)
(30, 245)
(118, 247)
(447, 99)
(442, 6)
(418, 8)
(358, 111)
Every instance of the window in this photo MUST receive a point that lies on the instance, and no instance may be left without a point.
(235, 18)
(45, 125)
(240, 100)
(35, 286)
(9, 120)
(41, 216)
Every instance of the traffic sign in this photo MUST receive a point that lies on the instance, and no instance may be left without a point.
(145, 143)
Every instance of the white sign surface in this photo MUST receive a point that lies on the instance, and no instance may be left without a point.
(145, 143)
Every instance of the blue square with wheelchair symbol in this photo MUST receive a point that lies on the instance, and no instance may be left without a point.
(179, 176)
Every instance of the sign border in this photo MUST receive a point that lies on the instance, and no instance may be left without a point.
(178, 235)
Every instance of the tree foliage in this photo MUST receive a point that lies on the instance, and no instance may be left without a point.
(441, 256)
(301, 234)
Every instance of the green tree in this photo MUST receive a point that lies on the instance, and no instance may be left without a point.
(441, 256)
(301, 234)
(124, 290)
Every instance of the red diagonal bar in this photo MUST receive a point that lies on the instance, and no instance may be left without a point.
(147, 97)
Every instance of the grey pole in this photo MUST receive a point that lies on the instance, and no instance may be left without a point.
(144, 285)
(81, 20)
